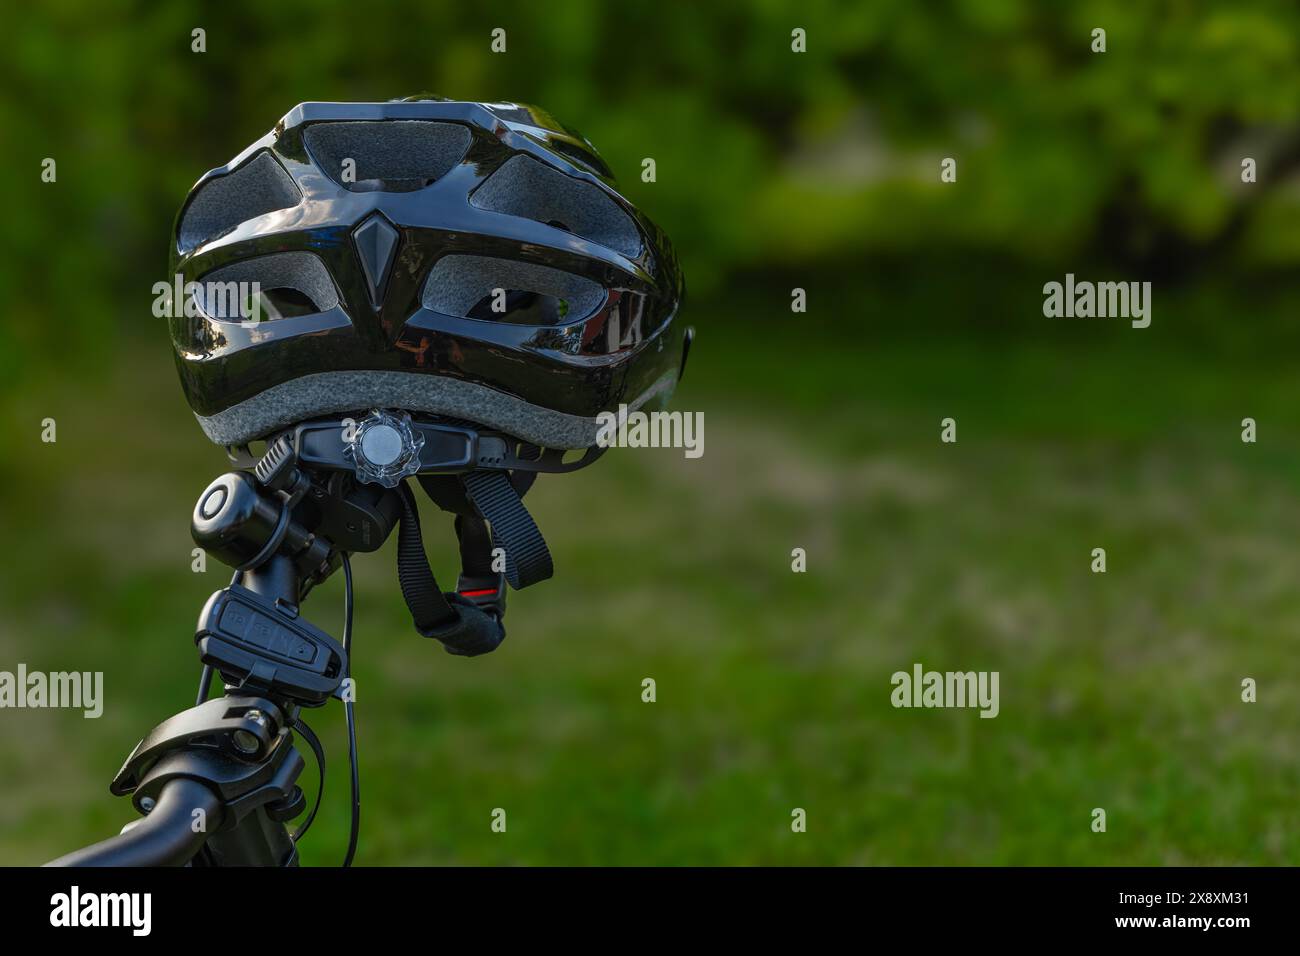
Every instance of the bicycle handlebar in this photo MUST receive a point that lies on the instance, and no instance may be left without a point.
(166, 837)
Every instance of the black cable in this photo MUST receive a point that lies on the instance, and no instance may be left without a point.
(205, 684)
(314, 743)
(348, 712)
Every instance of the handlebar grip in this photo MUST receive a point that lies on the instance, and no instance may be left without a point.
(165, 837)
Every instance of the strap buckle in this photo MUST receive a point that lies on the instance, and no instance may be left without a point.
(485, 591)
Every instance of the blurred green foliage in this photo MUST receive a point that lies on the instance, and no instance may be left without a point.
(811, 165)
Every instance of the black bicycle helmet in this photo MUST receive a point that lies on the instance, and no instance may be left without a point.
(473, 261)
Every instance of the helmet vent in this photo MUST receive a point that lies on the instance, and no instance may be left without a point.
(222, 203)
(289, 283)
(395, 156)
(524, 187)
(503, 290)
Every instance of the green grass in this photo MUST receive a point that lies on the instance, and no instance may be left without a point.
(1118, 691)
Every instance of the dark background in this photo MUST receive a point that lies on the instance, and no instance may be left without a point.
(775, 170)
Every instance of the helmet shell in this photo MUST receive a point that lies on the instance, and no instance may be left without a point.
(467, 260)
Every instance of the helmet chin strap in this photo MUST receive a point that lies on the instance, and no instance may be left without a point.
(499, 544)
(514, 532)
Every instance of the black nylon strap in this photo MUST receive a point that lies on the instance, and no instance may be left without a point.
(475, 546)
(513, 530)
(449, 493)
(463, 627)
(429, 609)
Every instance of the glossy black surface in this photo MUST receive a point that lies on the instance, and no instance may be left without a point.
(578, 367)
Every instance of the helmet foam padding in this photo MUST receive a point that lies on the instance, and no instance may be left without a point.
(259, 186)
(332, 393)
(456, 283)
(527, 188)
(397, 155)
